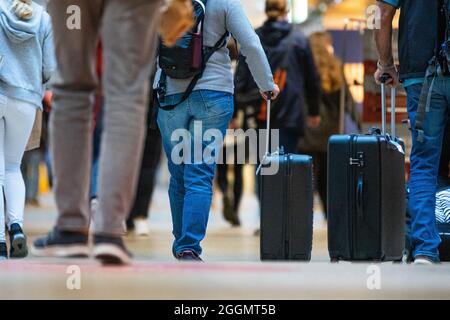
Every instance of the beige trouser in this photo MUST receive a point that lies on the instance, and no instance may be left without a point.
(128, 30)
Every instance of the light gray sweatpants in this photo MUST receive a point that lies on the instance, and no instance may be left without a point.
(16, 122)
(128, 31)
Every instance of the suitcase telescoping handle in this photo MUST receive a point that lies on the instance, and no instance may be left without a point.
(269, 105)
(384, 78)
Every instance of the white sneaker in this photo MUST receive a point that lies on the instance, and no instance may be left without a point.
(423, 260)
(141, 228)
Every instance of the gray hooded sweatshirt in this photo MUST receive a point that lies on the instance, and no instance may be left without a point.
(27, 57)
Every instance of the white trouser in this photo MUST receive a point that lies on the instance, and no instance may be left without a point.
(16, 122)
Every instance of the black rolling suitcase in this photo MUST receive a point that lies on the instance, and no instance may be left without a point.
(366, 192)
(286, 198)
(443, 220)
(444, 248)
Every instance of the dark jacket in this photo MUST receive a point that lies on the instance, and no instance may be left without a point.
(419, 32)
(302, 82)
(316, 139)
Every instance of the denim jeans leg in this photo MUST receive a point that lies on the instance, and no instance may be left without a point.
(413, 94)
(424, 168)
(176, 197)
(213, 111)
(168, 122)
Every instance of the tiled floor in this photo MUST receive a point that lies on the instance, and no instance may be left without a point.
(232, 270)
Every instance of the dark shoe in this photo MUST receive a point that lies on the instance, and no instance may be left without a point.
(3, 251)
(235, 222)
(189, 255)
(18, 241)
(33, 203)
(111, 250)
(62, 244)
(130, 226)
(229, 213)
(227, 208)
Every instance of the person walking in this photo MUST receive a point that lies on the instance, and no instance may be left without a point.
(230, 178)
(315, 140)
(210, 105)
(137, 221)
(129, 31)
(26, 64)
(424, 55)
(292, 62)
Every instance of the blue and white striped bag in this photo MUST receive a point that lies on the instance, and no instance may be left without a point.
(443, 222)
(443, 206)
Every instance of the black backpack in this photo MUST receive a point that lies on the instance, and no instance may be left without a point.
(439, 64)
(187, 58)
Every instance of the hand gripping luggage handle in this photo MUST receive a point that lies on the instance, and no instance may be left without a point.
(384, 78)
(267, 152)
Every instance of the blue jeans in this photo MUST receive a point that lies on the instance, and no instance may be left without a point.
(191, 181)
(425, 158)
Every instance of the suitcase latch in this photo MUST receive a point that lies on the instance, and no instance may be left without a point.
(358, 161)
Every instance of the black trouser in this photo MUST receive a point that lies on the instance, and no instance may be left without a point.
(222, 180)
(320, 177)
(320, 159)
(147, 176)
(289, 140)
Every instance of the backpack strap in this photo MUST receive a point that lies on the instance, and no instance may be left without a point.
(425, 99)
(209, 51)
(202, 4)
(434, 70)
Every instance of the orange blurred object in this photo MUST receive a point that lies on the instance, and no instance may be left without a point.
(176, 19)
(48, 99)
